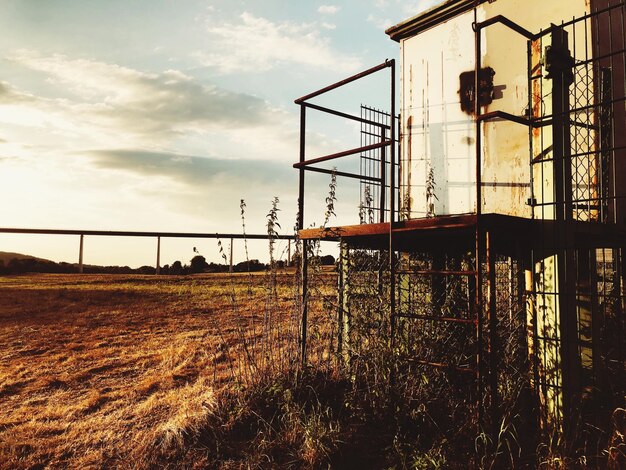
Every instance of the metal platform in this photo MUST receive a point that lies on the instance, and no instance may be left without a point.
(507, 232)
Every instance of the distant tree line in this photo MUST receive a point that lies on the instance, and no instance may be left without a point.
(34, 265)
(198, 264)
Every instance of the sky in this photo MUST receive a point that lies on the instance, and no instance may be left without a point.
(162, 115)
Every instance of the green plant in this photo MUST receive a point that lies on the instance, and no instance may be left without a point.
(366, 211)
(616, 448)
(430, 193)
(504, 450)
(405, 207)
(242, 207)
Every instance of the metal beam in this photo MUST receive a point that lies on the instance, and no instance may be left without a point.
(345, 115)
(158, 260)
(345, 153)
(80, 254)
(230, 265)
(345, 81)
(122, 233)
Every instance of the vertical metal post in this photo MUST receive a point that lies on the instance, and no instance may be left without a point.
(561, 75)
(607, 204)
(230, 264)
(562, 165)
(598, 325)
(531, 117)
(288, 264)
(383, 176)
(301, 171)
(493, 336)
(304, 265)
(344, 304)
(392, 202)
(619, 295)
(533, 350)
(304, 262)
(478, 254)
(158, 260)
(80, 254)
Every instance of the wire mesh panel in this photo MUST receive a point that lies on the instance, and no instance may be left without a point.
(375, 166)
(510, 367)
(435, 310)
(365, 299)
(610, 322)
(578, 91)
(586, 180)
(320, 304)
(600, 331)
(546, 342)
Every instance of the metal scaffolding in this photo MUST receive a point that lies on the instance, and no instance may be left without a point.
(514, 316)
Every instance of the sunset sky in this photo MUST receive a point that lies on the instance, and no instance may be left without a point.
(161, 115)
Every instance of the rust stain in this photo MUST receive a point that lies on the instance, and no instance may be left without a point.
(536, 84)
(409, 123)
(411, 84)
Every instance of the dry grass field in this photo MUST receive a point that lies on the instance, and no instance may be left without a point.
(98, 371)
(138, 372)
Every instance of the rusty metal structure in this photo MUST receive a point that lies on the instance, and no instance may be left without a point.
(491, 249)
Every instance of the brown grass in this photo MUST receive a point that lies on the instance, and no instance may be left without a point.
(102, 370)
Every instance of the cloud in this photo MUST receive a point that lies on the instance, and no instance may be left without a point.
(398, 10)
(169, 102)
(328, 9)
(10, 95)
(187, 184)
(418, 6)
(255, 44)
(192, 170)
(90, 104)
(380, 23)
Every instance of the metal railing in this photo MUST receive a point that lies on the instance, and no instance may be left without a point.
(158, 235)
(304, 165)
(387, 133)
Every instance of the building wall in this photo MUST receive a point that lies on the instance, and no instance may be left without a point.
(438, 138)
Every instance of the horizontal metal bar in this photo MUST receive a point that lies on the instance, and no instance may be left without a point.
(345, 115)
(342, 173)
(345, 153)
(377, 111)
(581, 18)
(583, 200)
(584, 125)
(345, 81)
(506, 22)
(494, 184)
(435, 318)
(601, 57)
(589, 107)
(436, 272)
(371, 134)
(121, 233)
(583, 154)
(373, 159)
(440, 365)
(504, 115)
